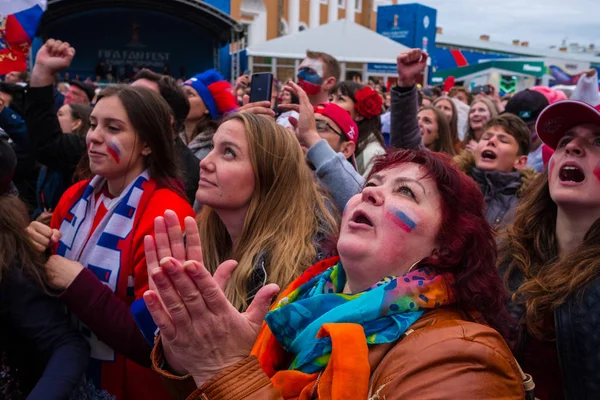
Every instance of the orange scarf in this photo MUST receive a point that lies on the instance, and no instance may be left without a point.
(347, 373)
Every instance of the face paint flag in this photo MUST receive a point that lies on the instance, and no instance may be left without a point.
(309, 82)
(310, 76)
(19, 20)
(403, 221)
(113, 148)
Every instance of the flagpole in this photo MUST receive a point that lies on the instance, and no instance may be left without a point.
(30, 57)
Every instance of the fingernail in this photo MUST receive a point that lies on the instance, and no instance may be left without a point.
(159, 278)
(149, 300)
(167, 264)
(190, 267)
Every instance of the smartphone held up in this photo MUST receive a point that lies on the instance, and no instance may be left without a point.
(261, 87)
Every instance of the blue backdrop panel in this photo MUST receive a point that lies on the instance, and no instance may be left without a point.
(128, 38)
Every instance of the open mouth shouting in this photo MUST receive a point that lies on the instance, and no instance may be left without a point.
(477, 120)
(360, 220)
(571, 173)
(488, 155)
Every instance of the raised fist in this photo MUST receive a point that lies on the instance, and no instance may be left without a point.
(54, 56)
(410, 65)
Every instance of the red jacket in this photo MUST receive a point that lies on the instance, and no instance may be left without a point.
(107, 314)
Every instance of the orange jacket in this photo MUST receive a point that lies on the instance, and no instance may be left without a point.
(442, 356)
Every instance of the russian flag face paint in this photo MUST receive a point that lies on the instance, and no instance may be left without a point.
(310, 76)
(309, 87)
(597, 171)
(113, 148)
(314, 67)
(402, 220)
(550, 168)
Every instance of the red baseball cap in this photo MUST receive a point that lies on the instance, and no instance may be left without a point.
(555, 120)
(341, 118)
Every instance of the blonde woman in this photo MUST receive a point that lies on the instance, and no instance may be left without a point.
(261, 207)
(481, 111)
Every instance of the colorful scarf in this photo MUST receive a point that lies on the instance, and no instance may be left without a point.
(313, 314)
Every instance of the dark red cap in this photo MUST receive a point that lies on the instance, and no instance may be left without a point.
(558, 118)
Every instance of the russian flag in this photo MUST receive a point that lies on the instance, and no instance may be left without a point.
(19, 20)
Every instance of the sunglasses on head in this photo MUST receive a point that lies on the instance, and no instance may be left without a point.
(323, 126)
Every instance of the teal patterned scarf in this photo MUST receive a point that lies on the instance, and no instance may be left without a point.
(385, 311)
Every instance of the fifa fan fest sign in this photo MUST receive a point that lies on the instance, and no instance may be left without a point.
(134, 38)
(118, 57)
(136, 52)
(413, 25)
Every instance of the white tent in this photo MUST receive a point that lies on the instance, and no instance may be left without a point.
(345, 40)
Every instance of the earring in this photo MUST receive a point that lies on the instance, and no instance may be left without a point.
(412, 266)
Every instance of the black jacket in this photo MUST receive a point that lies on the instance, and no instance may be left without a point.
(190, 169)
(404, 129)
(62, 151)
(56, 150)
(47, 356)
(27, 170)
(502, 191)
(577, 325)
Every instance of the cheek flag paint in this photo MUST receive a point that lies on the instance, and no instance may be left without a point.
(402, 220)
(597, 171)
(309, 81)
(550, 168)
(114, 150)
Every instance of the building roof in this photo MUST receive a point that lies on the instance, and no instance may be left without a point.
(345, 40)
(462, 42)
(198, 12)
(504, 66)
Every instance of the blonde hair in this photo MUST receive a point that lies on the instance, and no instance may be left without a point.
(493, 113)
(285, 215)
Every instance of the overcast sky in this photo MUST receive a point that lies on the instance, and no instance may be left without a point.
(541, 22)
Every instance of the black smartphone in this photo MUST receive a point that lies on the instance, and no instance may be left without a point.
(481, 89)
(261, 87)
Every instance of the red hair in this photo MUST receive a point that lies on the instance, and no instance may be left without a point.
(467, 244)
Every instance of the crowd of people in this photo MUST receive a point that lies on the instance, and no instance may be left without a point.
(166, 239)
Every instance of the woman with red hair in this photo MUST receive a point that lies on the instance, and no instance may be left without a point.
(411, 308)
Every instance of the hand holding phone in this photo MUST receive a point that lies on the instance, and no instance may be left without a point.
(242, 82)
(261, 87)
(482, 89)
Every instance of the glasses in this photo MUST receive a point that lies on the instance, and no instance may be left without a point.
(323, 126)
